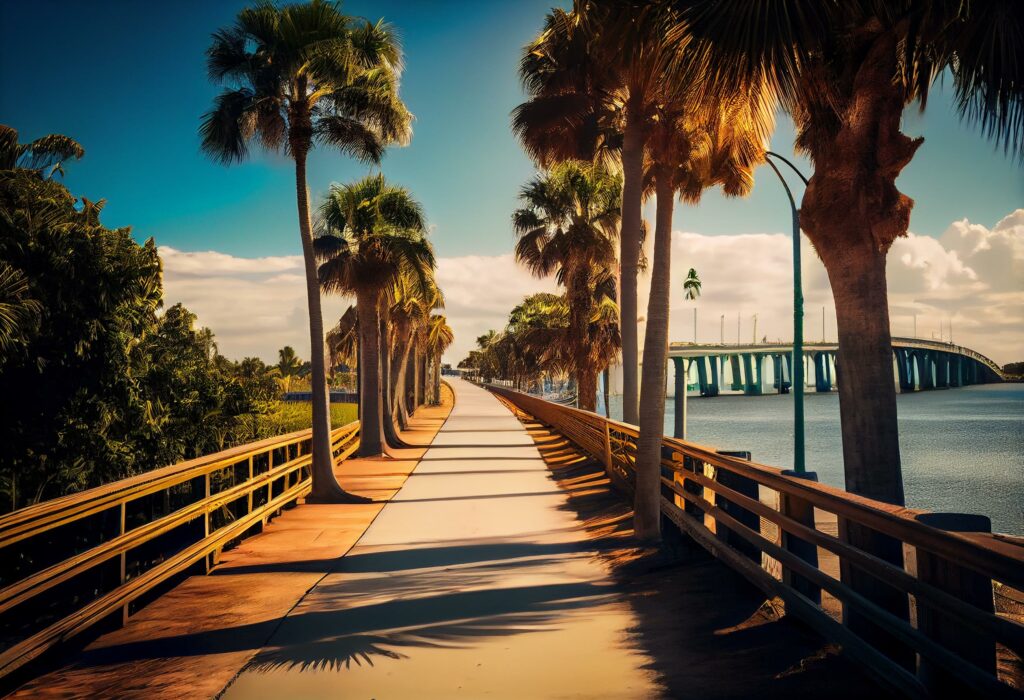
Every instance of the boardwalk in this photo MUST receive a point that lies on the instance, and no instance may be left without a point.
(481, 577)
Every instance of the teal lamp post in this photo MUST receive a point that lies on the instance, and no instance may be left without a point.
(799, 464)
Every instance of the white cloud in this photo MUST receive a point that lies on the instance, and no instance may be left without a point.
(971, 275)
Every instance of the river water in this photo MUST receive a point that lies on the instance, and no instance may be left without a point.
(962, 449)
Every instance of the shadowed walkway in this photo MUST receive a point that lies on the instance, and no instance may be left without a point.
(501, 567)
(193, 640)
(474, 581)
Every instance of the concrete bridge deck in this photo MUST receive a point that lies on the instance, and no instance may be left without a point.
(489, 573)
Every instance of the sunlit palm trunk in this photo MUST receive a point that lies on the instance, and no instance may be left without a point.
(371, 426)
(391, 436)
(852, 212)
(629, 259)
(647, 499)
(325, 486)
(580, 310)
(399, 408)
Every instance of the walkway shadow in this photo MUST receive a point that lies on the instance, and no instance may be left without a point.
(346, 622)
(710, 634)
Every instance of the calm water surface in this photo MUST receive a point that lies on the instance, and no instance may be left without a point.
(963, 449)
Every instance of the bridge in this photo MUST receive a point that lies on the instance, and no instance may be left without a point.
(752, 369)
(496, 560)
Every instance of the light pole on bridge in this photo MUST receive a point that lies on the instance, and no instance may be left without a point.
(799, 465)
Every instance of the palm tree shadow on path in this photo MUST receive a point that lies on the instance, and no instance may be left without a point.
(708, 632)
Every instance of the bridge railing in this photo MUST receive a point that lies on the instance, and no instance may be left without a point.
(93, 557)
(961, 591)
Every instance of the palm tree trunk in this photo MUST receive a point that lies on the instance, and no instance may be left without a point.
(647, 499)
(867, 410)
(400, 409)
(387, 416)
(325, 486)
(629, 260)
(580, 302)
(371, 422)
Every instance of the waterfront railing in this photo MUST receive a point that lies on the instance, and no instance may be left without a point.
(943, 619)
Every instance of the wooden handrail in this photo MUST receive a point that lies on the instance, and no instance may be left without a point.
(686, 485)
(257, 496)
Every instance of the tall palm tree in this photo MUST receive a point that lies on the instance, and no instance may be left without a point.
(44, 155)
(437, 337)
(691, 292)
(696, 144)
(409, 306)
(298, 76)
(593, 77)
(568, 227)
(846, 72)
(371, 233)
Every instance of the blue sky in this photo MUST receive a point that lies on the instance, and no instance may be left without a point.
(128, 81)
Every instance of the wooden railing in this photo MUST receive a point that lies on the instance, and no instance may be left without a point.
(960, 590)
(72, 562)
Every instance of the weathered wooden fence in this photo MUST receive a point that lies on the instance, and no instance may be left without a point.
(72, 562)
(961, 633)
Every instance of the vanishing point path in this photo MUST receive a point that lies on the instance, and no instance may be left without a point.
(482, 576)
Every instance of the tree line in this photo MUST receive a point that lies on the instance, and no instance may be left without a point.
(296, 77)
(98, 384)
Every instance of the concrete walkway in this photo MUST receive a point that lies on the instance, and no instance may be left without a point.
(191, 641)
(474, 581)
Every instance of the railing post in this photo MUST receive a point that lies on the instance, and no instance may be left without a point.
(965, 584)
(607, 449)
(748, 487)
(801, 511)
(124, 563)
(208, 559)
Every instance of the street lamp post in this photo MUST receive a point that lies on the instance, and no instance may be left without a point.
(799, 465)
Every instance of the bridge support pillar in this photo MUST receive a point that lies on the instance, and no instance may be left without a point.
(904, 369)
(753, 374)
(956, 373)
(702, 374)
(679, 407)
(822, 376)
(942, 370)
(713, 385)
(780, 365)
(926, 366)
(737, 373)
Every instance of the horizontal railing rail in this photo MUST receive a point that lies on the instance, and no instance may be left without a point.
(96, 554)
(787, 535)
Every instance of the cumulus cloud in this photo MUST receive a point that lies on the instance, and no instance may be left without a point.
(970, 277)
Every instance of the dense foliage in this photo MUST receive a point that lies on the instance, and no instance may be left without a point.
(98, 384)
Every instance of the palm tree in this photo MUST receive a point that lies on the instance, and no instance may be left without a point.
(298, 76)
(691, 289)
(568, 227)
(593, 77)
(437, 337)
(409, 306)
(371, 233)
(288, 364)
(846, 72)
(696, 144)
(45, 153)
